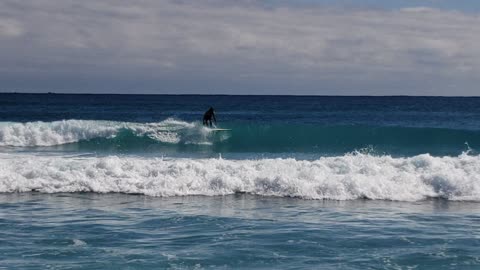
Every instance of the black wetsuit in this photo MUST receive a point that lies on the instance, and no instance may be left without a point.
(207, 117)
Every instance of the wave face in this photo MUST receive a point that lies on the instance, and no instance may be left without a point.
(175, 135)
(348, 177)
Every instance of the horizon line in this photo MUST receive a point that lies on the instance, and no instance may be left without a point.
(185, 94)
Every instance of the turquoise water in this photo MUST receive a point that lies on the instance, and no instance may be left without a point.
(136, 182)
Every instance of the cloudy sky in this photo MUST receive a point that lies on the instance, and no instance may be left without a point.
(322, 47)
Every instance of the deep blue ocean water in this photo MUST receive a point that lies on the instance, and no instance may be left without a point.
(136, 182)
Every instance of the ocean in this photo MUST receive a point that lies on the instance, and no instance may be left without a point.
(299, 182)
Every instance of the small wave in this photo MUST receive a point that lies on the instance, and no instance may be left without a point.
(347, 177)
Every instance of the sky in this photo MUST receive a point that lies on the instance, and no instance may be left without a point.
(303, 47)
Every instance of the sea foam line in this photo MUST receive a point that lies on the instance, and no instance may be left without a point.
(347, 177)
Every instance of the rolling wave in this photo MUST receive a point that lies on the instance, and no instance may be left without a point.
(347, 177)
(277, 138)
(32, 134)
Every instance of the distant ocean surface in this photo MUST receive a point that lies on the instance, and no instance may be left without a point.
(299, 182)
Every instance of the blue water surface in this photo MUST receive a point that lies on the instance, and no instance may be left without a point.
(112, 231)
(434, 112)
(103, 228)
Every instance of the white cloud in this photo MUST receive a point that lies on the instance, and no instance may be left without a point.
(10, 28)
(224, 41)
(419, 9)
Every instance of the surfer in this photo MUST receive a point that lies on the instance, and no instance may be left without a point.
(207, 117)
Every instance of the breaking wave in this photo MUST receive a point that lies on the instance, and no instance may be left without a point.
(32, 134)
(180, 136)
(347, 177)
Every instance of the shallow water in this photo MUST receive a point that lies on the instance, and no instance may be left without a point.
(112, 231)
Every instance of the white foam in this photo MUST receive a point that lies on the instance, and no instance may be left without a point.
(69, 131)
(79, 243)
(54, 133)
(339, 178)
(172, 131)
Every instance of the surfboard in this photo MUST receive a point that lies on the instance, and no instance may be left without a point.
(220, 129)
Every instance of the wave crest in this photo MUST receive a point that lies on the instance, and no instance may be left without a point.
(32, 134)
(53, 133)
(347, 177)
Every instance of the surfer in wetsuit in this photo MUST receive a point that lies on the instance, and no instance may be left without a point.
(207, 117)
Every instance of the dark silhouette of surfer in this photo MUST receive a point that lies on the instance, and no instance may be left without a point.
(207, 117)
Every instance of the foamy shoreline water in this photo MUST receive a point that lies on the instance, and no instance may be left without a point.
(348, 177)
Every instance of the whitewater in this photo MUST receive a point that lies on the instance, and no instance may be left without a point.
(358, 174)
(70, 131)
(349, 177)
